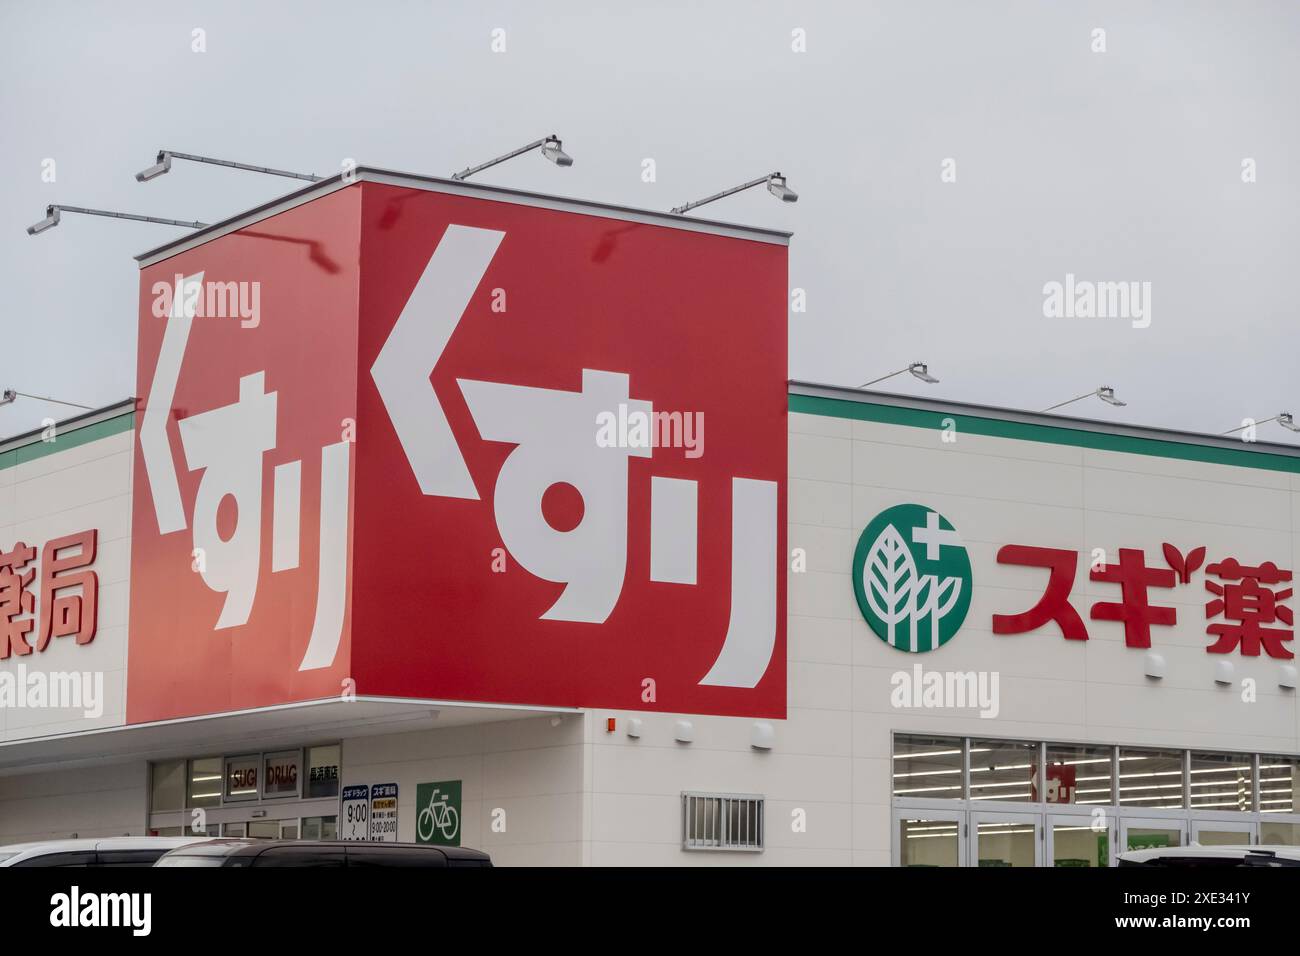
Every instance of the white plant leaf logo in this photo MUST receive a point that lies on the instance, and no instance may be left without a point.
(890, 580)
(912, 578)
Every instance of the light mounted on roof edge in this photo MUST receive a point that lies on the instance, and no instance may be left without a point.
(1105, 393)
(1285, 419)
(163, 165)
(551, 147)
(9, 396)
(776, 185)
(53, 218)
(918, 370)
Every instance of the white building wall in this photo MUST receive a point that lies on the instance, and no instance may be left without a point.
(1000, 491)
(72, 489)
(636, 787)
(530, 771)
(69, 490)
(832, 756)
(109, 800)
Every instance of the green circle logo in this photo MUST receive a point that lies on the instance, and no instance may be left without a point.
(912, 578)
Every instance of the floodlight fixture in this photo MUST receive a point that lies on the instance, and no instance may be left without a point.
(163, 164)
(918, 370)
(775, 183)
(551, 147)
(1105, 393)
(52, 218)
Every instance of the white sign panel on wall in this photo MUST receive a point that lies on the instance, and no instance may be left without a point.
(354, 813)
(383, 812)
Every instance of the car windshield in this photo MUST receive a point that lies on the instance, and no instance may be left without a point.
(189, 859)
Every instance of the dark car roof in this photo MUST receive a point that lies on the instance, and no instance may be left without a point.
(246, 847)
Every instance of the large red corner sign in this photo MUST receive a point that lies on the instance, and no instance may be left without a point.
(242, 500)
(526, 455)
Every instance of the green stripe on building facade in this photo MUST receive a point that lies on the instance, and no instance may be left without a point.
(837, 408)
(66, 440)
(1047, 434)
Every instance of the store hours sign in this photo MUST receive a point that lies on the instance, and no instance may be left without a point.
(354, 813)
(383, 812)
(368, 812)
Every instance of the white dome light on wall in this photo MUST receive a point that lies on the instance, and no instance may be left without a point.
(683, 731)
(762, 735)
(1287, 677)
(1154, 665)
(1223, 671)
(634, 727)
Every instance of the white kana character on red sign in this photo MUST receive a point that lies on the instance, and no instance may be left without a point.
(554, 432)
(228, 444)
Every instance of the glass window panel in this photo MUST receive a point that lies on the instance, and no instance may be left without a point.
(323, 771)
(1222, 782)
(203, 788)
(1146, 838)
(1002, 770)
(1150, 778)
(241, 778)
(1078, 774)
(926, 766)
(1279, 780)
(1077, 844)
(280, 774)
(1210, 837)
(264, 829)
(167, 790)
(927, 842)
(320, 828)
(1279, 833)
(1005, 843)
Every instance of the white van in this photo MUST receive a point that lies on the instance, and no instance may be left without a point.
(1202, 857)
(93, 851)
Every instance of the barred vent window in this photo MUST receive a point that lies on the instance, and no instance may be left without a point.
(722, 821)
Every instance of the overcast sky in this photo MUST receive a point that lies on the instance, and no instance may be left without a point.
(1122, 165)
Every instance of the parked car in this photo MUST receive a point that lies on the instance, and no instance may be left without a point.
(1212, 856)
(93, 851)
(316, 853)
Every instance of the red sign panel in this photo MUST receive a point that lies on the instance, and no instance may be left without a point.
(458, 449)
(247, 374)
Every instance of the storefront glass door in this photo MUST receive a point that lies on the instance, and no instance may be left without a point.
(929, 838)
(1005, 839)
(1080, 841)
(1221, 833)
(1140, 834)
(1279, 832)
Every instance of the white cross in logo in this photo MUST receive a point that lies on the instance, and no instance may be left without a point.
(933, 537)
